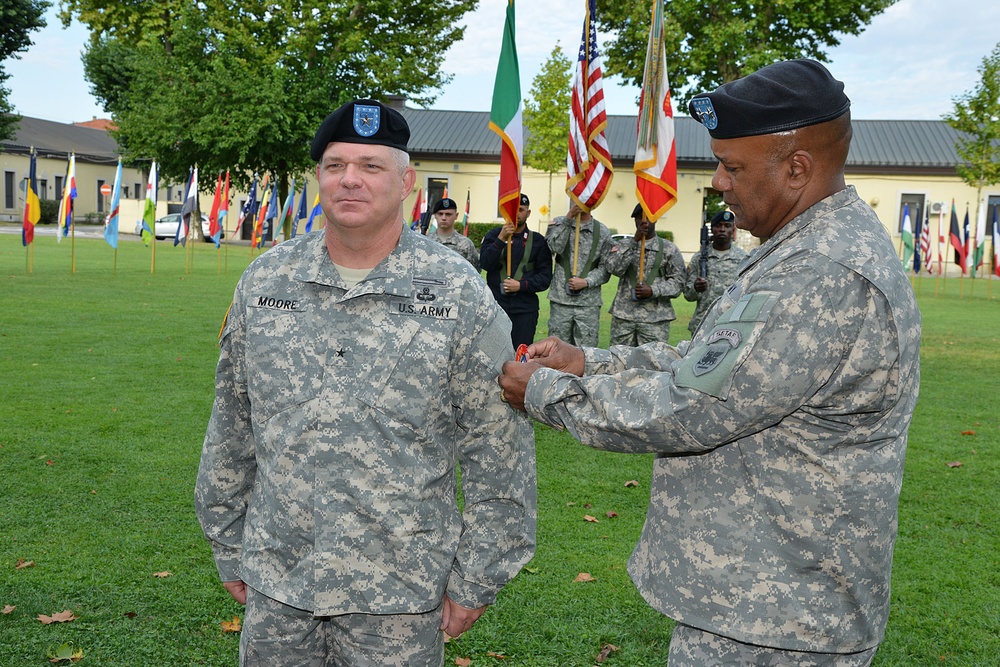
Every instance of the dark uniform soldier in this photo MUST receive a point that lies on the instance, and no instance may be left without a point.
(782, 425)
(530, 272)
(356, 372)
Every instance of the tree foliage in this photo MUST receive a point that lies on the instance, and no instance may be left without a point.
(546, 117)
(18, 19)
(243, 84)
(977, 116)
(708, 44)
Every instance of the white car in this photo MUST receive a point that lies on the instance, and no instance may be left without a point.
(166, 227)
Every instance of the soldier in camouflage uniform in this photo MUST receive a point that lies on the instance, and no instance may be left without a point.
(445, 213)
(356, 373)
(723, 261)
(575, 299)
(782, 426)
(641, 311)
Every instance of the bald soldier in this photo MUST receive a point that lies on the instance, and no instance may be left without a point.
(356, 374)
(781, 426)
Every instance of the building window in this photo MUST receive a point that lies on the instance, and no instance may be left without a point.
(43, 188)
(436, 189)
(124, 194)
(914, 205)
(59, 187)
(100, 197)
(137, 190)
(9, 190)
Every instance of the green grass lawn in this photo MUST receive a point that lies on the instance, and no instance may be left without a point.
(106, 385)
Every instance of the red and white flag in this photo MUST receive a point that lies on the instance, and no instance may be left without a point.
(655, 152)
(588, 163)
(925, 241)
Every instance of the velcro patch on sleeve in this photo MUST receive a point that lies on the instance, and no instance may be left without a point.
(709, 368)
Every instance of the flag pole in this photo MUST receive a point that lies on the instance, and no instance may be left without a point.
(576, 244)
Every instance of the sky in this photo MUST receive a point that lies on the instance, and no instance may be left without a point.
(909, 64)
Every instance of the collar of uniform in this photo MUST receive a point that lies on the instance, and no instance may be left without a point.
(799, 223)
(393, 275)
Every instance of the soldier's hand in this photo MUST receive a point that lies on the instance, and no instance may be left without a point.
(577, 284)
(700, 284)
(456, 619)
(510, 285)
(643, 291)
(237, 589)
(557, 354)
(506, 232)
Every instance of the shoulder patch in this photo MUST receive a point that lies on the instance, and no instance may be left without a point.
(710, 366)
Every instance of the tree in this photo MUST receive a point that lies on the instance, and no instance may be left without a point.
(709, 44)
(977, 117)
(18, 18)
(546, 117)
(243, 84)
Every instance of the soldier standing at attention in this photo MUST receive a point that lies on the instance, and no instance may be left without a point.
(445, 213)
(575, 300)
(641, 311)
(530, 272)
(722, 261)
(357, 369)
(782, 425)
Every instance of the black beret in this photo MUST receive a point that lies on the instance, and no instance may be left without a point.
(524, 200)
(637, 211)
(361, 122)
(780, 97)
(723, 216)
(445, 205)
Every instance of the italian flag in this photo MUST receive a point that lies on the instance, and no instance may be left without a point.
(505, 120)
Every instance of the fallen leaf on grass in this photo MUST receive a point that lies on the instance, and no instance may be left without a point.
(631, 482)
(498, 656)
(65, 653)
(611, 515)
(463, 662)
(583, 577)
(954, 464)
(49, 462)
(7, 608)
(21, 564)
(606, 651)
(161, 575)
(232, 626)
(591, 519)
(64, 616)
(570, 504)
(968, 432)
(130, 614)
(586, 506)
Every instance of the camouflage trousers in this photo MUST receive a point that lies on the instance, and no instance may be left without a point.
(691, 647)
(579, 325)
(276, 635)
(634, 334)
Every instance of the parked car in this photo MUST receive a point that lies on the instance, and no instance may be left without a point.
(166, 227)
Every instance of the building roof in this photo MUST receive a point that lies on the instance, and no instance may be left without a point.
(58, 140)
(900, 146)
(919, 146)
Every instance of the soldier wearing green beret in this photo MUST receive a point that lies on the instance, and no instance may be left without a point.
(781, 427)
(356, 374)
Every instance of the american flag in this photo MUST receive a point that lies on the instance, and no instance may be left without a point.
(588, 163)
(925, 240)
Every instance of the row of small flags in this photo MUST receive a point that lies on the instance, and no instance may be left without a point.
(969, 249)
(264, 211)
